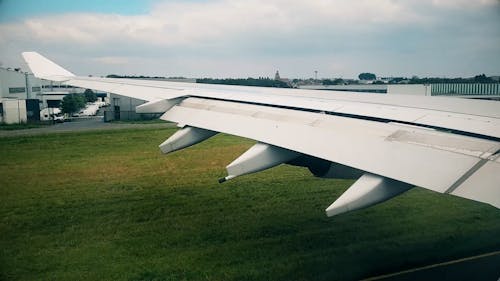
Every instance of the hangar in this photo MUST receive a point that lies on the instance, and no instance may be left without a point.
(462, 90)
(23, 96)
(18, 91)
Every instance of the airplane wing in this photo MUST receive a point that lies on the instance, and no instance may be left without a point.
(390, 143)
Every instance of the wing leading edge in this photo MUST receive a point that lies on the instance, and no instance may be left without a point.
(446, 145)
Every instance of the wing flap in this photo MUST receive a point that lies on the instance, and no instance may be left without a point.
(478, 186)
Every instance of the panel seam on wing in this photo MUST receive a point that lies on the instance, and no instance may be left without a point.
(467, 175)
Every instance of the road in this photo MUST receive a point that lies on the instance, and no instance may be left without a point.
(87, 124)
(481, 267)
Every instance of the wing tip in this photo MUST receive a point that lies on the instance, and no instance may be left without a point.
(44, 68)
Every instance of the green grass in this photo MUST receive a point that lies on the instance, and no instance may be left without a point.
(109, 206)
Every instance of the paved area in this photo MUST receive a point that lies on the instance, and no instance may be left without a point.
(88, 124)
(481, 267)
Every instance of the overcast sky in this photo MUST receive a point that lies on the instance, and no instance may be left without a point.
(252, 38)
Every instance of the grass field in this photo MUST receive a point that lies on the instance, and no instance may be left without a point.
(108, 205)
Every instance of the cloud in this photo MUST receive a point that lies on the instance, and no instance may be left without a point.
(464, 4)
(246, 37)
(112, 60)
(183, 23)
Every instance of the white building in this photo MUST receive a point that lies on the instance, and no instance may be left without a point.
(463, 90)
(19, 92)
(13, 111)
(410, 89)
(19, 85)
(123, 108)
(23, 96)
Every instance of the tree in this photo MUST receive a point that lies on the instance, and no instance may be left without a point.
(327, 82)
(367, 76)
(337, 81)
(72, 103)
(397, 80)
(260, 82)
(483, 79)
(90, 96)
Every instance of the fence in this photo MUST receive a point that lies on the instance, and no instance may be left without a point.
(450, 89)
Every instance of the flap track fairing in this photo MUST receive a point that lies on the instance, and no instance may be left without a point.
(259, 157)
(368, 190)
(185, 137)
(158, 106)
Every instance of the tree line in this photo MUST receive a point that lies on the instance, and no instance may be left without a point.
(260, 82)
(482, 78)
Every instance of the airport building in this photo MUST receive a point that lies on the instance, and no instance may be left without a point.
(363, 88)
(123, 108)
(464, 90)
(23, 96)
(19, 94)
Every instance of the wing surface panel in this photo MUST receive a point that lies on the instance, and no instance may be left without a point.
(145, 93)
(447, 118)
(476, 187)
(442, 104)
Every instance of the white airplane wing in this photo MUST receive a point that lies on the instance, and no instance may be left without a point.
(390, 143)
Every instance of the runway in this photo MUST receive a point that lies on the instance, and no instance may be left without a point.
(480, 267)
(84, 124)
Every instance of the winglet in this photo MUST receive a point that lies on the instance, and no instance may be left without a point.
(44, 68)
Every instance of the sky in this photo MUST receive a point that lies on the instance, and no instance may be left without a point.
(254, 38)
